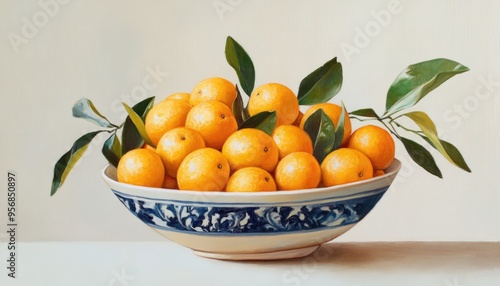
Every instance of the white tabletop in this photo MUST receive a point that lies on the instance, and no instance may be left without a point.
(165, 263)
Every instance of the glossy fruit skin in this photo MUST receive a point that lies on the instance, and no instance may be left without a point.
(215, 88)
(345, 165)
(275, 97)
(290, 138)
(333, 111)
(204, 169)
(376, 143)
(141, 167)
(251, 147)
(251, 179)
(164, 116)
(175, 145)
(297, 171)
(214, 121)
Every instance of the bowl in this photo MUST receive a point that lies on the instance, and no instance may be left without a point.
(253, 226)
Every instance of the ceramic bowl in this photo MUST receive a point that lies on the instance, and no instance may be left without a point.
(253, 226)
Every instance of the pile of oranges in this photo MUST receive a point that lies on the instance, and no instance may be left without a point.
(199, 145)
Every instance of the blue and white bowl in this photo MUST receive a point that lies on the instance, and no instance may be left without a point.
(251, 226)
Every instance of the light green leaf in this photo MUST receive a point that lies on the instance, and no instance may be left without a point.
(421, 156)
(238, 58)
(265, 121)
(64, 165)
(320, 129)
(453, 152)
(84, 108)
(365, 112)
(322, 84)
(417, 80)
(139, 124)
(131, 138)
(427, 126)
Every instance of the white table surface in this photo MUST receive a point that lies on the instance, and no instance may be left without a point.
(165, 263)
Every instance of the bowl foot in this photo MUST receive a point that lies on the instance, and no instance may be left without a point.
(275, 255)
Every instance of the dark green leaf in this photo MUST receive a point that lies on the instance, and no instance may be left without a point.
(238, 58)
(239, 110)
(417, 80)
(421, 156)
(339, 130)
(427, 126)
(139, 124)
(322, 84)
(64, 165)
(131, 138)
(112, 150)
(320, 129)
(265, 121)
(453, 152)
(366, 112)
(84, 108)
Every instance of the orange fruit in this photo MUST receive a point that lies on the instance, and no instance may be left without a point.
(275, 97)
(298, 119)
(141, 167)
(176, 144)
(333, 111)
(170, 183)
(180, 96)
(251, 179)
(299, 170)
(214, 88)
(214, 121)
(251, 147)
(204, 169)
(376, 143)
(147, 146)
(345, 165)
(377, 173)
(291, 139)
(164, 116)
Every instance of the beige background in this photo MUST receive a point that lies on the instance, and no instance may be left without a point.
(112, 51)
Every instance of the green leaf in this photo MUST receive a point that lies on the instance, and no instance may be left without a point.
(339, 130)
(112, 150)
(366, 112)
(84, 108)
(322, 84)
(427, 126)
(453, 152)
(421, 156)
(139, 124)
(265, 121)
(131, 138)
(64, 165)
(320, 129)
(417, 80)
(238, 58)
(239, 110)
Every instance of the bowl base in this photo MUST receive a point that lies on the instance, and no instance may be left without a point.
(275, 255)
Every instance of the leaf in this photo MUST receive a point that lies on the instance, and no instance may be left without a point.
(417, 80)
(421, 156)
(453, 152)
(139, 124)
(112, 150)
(238, 58)
(322, 84)
(265, 121)
(366, 112)
(64, 165)
(239, 110)
(320, 129)
(131, 138)
(339, 130)
(427, 126)
(84, 108)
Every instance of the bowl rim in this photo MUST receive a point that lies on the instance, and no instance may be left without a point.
(375, 184)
